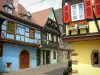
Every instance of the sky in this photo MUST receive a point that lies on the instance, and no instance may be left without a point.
(36, 5)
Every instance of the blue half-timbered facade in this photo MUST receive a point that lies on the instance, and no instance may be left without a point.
(19, 39)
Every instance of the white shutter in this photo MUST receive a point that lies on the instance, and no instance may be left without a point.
(50, 37)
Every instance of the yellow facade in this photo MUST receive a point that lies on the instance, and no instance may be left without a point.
(84, 49)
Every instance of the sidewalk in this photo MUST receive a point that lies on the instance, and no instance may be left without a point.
(51, 69)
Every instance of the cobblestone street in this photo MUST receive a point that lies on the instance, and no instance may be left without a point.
(51, 69)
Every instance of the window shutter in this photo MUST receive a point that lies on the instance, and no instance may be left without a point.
(97, 7)
(88, 9)
(66, 10)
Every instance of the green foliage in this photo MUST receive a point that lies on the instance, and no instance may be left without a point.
(70, 63)
(68, 70)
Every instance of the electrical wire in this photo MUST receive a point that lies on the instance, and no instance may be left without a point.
(34, 3)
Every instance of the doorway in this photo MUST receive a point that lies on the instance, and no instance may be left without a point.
(46, 57)
(24, 59)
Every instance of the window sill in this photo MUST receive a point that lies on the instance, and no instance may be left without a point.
(96, 66)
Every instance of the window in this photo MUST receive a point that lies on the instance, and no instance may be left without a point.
(9, 10)
(77, 11)
(9, 7)
(49, 37)
(95, 58)
(10, 27)
(52, 37)
(9, 65)
(32, 33)
(54, 55)
(28, 18)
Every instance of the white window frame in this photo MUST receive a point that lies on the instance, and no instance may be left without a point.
(77, 12)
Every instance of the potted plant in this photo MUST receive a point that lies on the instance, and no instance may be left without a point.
(68, 70)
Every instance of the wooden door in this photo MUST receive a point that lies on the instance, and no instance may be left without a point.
(24, 59)
(47, 57)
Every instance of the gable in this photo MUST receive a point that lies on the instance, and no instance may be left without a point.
(41, 17)
(52, 16)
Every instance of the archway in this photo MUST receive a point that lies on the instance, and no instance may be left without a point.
(24, 59)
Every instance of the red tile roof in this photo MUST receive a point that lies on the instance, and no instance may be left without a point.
(41, 17)
(2, 3)
(21, 9)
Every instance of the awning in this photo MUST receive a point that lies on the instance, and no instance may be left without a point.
(82, 26)
(73, 28)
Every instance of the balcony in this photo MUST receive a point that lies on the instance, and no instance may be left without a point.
(49, 43)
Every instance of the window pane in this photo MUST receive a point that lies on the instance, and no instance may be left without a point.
(27, 34)
(27, 29)
(4, 22)
(20, 30)
(81, 11)
(3, 27)
(74, 12)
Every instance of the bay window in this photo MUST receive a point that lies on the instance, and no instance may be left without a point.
(77, 12)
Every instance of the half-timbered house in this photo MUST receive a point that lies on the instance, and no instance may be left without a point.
(49, 35)
(82, 29)
(19, 37)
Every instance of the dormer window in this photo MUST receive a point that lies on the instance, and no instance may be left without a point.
(28, 16)
(9, 8)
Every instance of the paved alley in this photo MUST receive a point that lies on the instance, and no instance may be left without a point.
(51, 69)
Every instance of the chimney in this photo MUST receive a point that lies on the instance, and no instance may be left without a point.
(15, 3)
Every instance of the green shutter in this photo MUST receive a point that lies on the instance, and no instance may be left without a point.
(10, 27)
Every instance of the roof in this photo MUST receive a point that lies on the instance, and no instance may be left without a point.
(21, 9)
(2, 3)
(41, 17)
(17, 19)
(59, 16)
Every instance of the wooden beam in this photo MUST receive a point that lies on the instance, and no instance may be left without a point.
(80, 38)
(19, 42)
